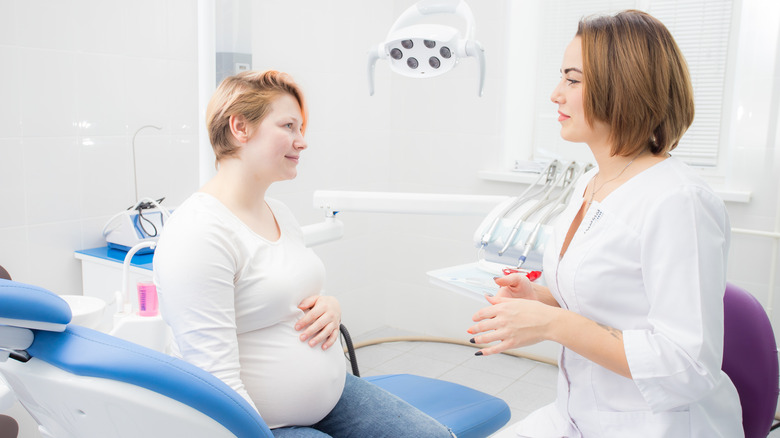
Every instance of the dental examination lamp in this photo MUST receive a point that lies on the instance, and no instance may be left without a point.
(426, 50)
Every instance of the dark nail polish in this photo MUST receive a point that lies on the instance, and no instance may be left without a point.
(472, 341)
(478, 353)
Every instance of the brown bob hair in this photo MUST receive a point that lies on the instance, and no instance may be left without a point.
(249, 94)
(636, 80)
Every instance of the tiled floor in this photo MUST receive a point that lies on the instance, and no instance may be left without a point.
(524, 384)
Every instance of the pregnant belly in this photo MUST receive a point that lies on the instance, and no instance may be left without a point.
(290, 382)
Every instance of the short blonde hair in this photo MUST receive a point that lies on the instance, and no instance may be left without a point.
(249, 94)
(636, 80)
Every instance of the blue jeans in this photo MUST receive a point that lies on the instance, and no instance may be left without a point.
(368, 411)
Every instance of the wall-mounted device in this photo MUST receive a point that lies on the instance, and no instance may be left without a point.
(426, 50)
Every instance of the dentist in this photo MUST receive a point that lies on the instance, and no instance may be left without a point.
(636, 267)
(241, 292)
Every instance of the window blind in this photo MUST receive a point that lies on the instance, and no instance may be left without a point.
(701, 29)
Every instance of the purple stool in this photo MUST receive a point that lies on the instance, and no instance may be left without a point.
(750, 359)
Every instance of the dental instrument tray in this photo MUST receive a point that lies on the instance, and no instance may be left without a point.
(475, 280)
(465, 279)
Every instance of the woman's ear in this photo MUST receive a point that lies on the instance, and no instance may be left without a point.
(239, 128)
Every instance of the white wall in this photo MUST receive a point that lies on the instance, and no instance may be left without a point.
(78, 78)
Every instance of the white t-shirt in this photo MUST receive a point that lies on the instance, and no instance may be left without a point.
(230, 297)
(650, 260)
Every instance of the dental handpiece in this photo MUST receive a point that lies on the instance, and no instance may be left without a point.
(563, 198)
(549, 173)
(539, 205)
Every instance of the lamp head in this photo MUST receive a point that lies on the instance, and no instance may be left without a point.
(427, 50)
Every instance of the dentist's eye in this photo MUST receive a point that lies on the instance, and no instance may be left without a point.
(572, 81)
(289, 126)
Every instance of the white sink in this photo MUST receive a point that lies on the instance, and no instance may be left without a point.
(87, 311)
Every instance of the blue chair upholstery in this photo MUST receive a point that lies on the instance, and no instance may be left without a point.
(468, 412)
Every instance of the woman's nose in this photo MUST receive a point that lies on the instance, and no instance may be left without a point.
(557, 96)
(300, 142)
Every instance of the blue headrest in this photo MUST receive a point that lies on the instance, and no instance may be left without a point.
(86, 352)
(32, 307)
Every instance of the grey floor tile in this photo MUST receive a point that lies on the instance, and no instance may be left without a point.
(410, 363)
(527, 396)
(452, 353)
(501, 364)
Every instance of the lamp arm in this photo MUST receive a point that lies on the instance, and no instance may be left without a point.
(373, 55)
(414, 13)
(474, 48)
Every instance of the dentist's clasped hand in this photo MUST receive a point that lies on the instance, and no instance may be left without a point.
(517, 316)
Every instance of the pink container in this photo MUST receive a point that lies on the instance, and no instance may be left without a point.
(147, 298)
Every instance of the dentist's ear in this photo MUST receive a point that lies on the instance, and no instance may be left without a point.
(239, 128)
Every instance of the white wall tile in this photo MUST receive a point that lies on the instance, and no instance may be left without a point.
(52, 169)
(47, 92)
(15, 252)
(182, 25)
(148, 93)
(145, 27)
(167, 166)
(101, 100)
(96, 25)
(45, 24)
(92, 231)
(7, 27)
(106, 178)
(53, 264)
(183, 111)
(10, 116)
(13, 212)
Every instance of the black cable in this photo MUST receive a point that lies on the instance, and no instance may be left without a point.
(148, 206)
(350, 350)
(142, 218)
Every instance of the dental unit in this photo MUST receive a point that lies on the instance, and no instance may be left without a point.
(511, 236)
(142, 221)
(426, 50)
(527, 195)
(545, 209)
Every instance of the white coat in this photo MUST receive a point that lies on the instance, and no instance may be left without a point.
(650, 260)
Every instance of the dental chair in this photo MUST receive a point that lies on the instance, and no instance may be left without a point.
(750, 360)
(80, 383)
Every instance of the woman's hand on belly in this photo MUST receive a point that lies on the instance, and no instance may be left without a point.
(321, 322)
